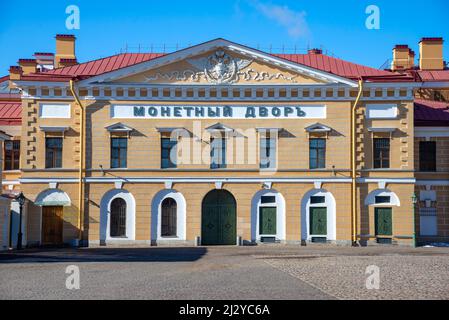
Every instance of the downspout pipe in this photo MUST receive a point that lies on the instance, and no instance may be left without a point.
(81, 166)
(353, 164)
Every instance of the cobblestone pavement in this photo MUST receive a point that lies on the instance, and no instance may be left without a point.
(262, 272)
(401, 277)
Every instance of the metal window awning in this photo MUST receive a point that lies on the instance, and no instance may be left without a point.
(119, 128)
(389, 130)
(179, 131)
(54, 129)
(265, 129)
(318, 128)
(382, 130)
(219, 127)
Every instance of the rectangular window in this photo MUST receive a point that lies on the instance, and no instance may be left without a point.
(119, 150)
(317, 153)
(53, 152)
(381, 153)
(12, 155)
(268, 199)
(217, 152)
(267, 152)
(317, 199)
(382, 199)
(168, 153)
(427, 156)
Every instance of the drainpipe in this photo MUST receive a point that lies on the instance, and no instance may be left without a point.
(81, 167)
(353, 165)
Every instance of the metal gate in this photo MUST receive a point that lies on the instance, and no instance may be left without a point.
(118, 218)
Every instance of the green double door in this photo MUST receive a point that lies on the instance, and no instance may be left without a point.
(219, 219)
(318, 221)
(383, 221)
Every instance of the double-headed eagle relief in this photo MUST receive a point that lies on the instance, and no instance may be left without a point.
(218, 68)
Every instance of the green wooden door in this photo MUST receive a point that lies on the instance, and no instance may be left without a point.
(219, 219)
(318, 221)
(383, 221)
(267, 221)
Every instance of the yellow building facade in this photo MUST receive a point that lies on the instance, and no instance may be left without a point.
(217, 144)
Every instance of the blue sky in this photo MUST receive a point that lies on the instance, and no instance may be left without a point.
(106, 27)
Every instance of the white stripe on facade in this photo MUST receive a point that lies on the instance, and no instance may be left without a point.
(214, 180)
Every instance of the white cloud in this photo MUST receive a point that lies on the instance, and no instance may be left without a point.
(294, 21)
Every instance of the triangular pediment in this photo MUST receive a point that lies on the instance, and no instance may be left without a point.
(219, 62)
(318, 127)
(119, 127)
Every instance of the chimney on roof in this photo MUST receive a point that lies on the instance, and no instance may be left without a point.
(28, 65)
(65, 48)
(15, 73)
(403, 58)
(45, 60)
(67, 62)
(315, 51)
(431, 54)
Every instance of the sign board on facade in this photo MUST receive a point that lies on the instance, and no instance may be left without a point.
(217, 112)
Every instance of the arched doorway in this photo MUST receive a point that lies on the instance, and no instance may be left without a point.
(168, 217)
(52, 202)
(219, 219)
(318, 216)
(118, 218)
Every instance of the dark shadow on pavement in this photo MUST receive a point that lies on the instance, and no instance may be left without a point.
(103, 255)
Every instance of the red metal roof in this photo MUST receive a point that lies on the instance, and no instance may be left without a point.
(431, 113)
(10, 113)
(433, 75)
(96, 67)
(336, 66)
(317, 61)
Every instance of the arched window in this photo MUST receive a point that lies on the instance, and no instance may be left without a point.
(118, 218)
(168, 225)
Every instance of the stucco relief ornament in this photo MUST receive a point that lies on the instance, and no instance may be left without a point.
(220, 67)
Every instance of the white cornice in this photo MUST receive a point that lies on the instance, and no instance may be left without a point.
(220, 179)
(431, 132)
